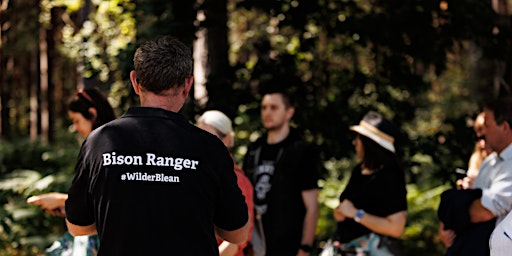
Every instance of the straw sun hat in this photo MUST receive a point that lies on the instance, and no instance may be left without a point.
(377, 128)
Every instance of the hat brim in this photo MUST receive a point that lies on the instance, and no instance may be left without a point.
(373, 136)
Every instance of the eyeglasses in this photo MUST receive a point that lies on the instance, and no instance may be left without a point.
(82, 93)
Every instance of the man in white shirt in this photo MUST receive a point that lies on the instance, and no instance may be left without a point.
(495, 182)
(495, 176)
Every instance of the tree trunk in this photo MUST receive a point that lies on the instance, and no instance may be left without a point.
(218, 71)
(44, 81)
(4, 113)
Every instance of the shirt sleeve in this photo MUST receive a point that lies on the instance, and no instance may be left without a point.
(79, 209)
(231, 212)
(498, 197)
(310, 165)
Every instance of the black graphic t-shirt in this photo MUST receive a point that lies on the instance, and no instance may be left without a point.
(280, 173)
(264, 173)
(155, 184)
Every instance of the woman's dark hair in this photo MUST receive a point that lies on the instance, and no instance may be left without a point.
(92, 98)
(375, 156)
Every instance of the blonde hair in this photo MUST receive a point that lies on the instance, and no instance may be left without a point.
(479, 153)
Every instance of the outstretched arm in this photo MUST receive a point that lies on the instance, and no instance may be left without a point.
(51, 202)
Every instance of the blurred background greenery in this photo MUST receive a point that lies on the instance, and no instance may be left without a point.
(426, 65)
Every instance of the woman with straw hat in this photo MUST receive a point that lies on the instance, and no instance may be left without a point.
(373, 208)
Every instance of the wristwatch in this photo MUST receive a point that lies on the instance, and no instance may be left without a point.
(305, 247)
(359, 215)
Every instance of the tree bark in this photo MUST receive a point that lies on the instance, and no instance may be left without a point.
(218, 71)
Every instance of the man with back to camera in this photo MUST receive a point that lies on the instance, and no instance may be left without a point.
(151, 183)
(284, 171)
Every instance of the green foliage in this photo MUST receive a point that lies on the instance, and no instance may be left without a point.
(424, 65)
(29, 168)
(331, 188)
(421, 234)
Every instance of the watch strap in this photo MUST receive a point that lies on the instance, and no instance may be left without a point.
(359, 215)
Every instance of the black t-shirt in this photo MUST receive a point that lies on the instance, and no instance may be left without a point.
(264, 173)
(155, 184)
(279, 173)
(381, 193)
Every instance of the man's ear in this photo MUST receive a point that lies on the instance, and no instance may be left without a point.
(133, 79)
(188, 85)
(506, 126)
(290, 112)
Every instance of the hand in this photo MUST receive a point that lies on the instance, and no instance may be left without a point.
(338, 215)
(345, 210)
(447, 236)
(465, 183)
(52, 203)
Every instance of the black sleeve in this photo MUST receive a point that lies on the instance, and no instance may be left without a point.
(310, 166)
(79, 209)
(231, 209)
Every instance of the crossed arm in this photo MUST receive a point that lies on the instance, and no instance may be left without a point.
(392, 225)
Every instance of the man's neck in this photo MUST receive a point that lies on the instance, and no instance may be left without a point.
(169, 103)
(277, 135)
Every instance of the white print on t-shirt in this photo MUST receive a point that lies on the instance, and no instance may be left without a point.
(151, 160)
(159, 177)
(263, 184)
(262, 187)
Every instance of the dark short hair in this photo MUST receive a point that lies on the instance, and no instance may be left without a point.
(281, 85)
(162, 63)
(92, 98)
(502, 109)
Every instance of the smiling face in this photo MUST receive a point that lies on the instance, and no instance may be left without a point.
(81, 124)
(274, 113)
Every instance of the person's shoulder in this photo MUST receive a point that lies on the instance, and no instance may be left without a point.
(258, 142)
(393, 171)
(296, 137)
(108, 127)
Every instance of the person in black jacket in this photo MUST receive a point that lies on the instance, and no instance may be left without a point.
(284, 170)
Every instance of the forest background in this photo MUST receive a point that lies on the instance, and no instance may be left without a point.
(426, 65)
